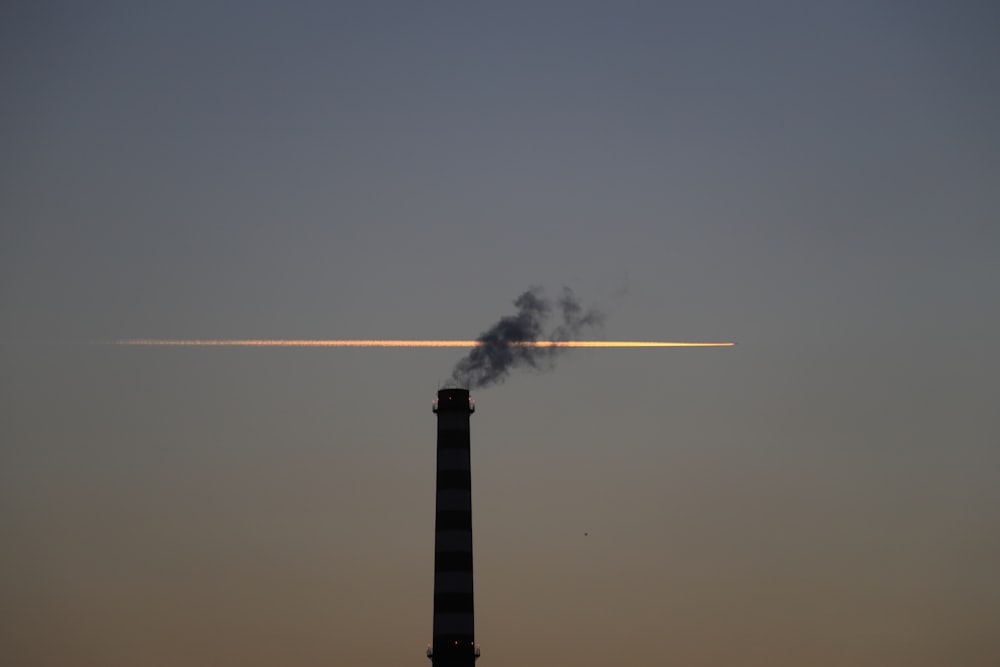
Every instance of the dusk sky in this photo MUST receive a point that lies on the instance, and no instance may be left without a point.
(817, 181)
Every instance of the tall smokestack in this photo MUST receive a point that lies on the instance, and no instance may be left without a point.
(454, 620)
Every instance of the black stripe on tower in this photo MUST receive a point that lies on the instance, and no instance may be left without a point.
(452, 519)
(454, 479)
(453, 603)
(453, 561)
(454, 613)
(453, 439)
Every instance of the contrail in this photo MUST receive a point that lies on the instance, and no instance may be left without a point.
(514, 341)
(378, 342)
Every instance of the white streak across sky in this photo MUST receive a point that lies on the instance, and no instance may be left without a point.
(269, 342)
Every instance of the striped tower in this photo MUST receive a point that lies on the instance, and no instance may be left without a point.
(454, 621)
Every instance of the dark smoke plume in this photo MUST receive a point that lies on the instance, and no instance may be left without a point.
(491, 362)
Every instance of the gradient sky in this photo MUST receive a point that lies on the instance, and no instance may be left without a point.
(815, 180)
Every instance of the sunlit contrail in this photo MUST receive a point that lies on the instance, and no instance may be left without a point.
(265, 342)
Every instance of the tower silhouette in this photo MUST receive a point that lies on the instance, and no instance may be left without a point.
(454, 643)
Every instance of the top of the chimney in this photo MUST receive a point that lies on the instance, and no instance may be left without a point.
(454, 400)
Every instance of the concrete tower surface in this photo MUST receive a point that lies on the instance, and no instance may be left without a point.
(454, 620)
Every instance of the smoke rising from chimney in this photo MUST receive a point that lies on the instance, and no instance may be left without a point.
(498, 353)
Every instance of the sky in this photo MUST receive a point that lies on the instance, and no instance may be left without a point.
(816, 181)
